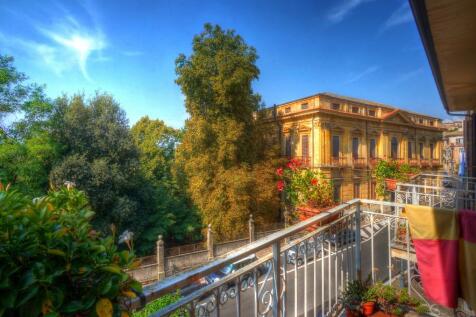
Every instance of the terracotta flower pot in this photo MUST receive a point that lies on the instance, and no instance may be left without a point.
(306, 212)
(351, 313)
(391, 184)
(368, 308)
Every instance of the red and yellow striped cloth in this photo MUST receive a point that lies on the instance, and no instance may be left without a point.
(435, 235)
(445, 246)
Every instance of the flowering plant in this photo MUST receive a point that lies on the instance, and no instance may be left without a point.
(304, 185)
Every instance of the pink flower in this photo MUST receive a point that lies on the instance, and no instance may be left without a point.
(280, 185)
(279, 171)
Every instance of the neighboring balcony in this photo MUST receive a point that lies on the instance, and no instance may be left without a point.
(424, 163)
(435, 162)
(359, 162)
(413, 162)
(338, 161)
(305, 161)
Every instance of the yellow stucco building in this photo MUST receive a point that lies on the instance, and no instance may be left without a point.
(345, 137)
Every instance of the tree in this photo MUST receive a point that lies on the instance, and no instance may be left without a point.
(219, 156)
(27, 149)
(100, 157)
(175, 217)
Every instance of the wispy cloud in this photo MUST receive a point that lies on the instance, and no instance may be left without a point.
(401, 15)
(63, 45)
(408, 75)
(357, 76)
(339, 12)
(76, 40)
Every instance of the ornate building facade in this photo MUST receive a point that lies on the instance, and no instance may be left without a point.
(345, 137)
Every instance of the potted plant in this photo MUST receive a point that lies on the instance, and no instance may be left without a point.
(307, 189)
(388, 173)
(368, 301)
(352, 298)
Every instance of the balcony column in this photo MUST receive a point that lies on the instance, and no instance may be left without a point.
(325, 146)
(210, 243)
(251, 224)
(160, 258)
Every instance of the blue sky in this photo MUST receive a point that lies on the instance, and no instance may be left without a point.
(361, 48)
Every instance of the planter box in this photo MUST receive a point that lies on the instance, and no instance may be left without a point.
(306, 212)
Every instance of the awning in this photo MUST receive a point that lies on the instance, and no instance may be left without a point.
(448, 32)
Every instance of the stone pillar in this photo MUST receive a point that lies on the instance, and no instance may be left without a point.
(160, 259)
(251, 223)
(210, 243)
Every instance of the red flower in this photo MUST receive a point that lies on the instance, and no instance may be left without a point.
(279, 171)
(314, 182)
(291, 165)
(280, 185)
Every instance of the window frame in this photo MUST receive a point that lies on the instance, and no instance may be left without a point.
(333, 149)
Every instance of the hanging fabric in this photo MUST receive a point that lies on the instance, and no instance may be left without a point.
(435, 235)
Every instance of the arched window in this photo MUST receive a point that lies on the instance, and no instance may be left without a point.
(394, 148)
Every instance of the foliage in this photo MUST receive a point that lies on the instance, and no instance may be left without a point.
(397, 301)
(392, 170)
(304, 185)
(13, 90)
(219, 158)
(160, 303)
(175, 216)
(52, 263)
(100, 157)
(353, 293)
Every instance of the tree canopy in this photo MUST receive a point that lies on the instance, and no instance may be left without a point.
(219, 152)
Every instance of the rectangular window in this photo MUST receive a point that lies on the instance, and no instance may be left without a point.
(432, 150)
(430, 123)
(372, 113)
(394, 148)
(410, 150)
(305, 146)
(304, 106)
(373, 145)
(335, 146)
(287, 110)
(355, 109)
(421, 151)
(337, 192)
(335, 106)
(356, 190)
(288, 145)
(420, 121)
(355, 148)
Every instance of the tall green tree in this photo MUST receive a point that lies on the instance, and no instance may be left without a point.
(219, 152)
(175, 217)
(100, 157)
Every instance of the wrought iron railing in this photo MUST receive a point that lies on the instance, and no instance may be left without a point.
(301, 270)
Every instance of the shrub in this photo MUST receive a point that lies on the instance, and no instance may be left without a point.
(160, 303)
(53, 264)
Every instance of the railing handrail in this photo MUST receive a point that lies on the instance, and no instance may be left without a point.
(171, 283)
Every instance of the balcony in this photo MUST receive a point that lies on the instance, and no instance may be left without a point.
(338, 161)
(424, 163)
(359, 162)
(413, 162)
(305, 161)
(302, 269)
(373, 161)
(435, 162)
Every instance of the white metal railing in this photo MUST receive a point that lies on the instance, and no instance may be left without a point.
(302, 276)
(438, 191)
